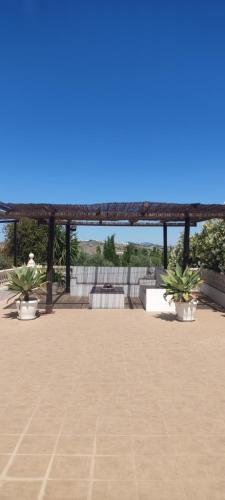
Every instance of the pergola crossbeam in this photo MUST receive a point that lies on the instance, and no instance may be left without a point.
(132, 211)
(125, 223)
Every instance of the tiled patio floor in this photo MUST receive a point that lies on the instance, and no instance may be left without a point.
(112, 405)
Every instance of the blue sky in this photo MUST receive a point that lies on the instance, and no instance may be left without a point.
(112, 100)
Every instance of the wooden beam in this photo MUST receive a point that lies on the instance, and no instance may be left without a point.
(186, 242)
(68, 257)
(109, 223)
(50, 262)
(15, 243)
(165, 252)
(125, 224)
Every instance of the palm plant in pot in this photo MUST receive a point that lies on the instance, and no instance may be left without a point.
(27, 283)
(179, 287)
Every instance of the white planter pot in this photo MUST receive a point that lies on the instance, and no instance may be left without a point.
(186, 310)
(27, 309)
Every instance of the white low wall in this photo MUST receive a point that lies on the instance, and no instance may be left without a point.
(213, 286)
(83, 290)
(214, 279)
(83, 278)
(153, 300)
(213, 293)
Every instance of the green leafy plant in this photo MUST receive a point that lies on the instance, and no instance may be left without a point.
(26, 280)
(109, 250)
(58, 277)
(33, 237)
(179, 284)
(207, 247)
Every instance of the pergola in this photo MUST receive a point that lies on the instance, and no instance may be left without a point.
(137, 214)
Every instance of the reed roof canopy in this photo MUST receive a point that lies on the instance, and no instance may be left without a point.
(100, 212)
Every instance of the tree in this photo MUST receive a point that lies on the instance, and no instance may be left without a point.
(128, 253)
(135, 256)
(109, 250)
(32, 237)
(156, 256)
(207, 248)
(98, 250)
(85, 259)
(5, 262)
(60, 246)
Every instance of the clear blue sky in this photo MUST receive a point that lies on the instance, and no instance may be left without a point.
(112, 100)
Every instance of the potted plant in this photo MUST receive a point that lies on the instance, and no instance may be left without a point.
(179, 287)
(58, 281)
(27, 282)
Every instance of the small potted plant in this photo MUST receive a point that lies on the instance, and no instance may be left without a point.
(27, 282)
(179, 287)
(58, 281)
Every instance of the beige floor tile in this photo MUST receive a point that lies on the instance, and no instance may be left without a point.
(44, 426)
(22, 412)
(81, 412)
(113, 445)
(8, 442)
(113, 468)
(70, 444)
(185, 444)
(149, 445)
(215, 444)
(114, 425)
(28, 466)
(114, 490)
(149, 405)
(13, 425)
(212, 425)
(204, 490)
(180, 425)
(202, 467)
(66, 490)
(35, 444)
(117, 406)
(19, 490)
(70, 467)
(156, 468)
(148, 424)
(80, 425)
(161, 490)
(3, 461)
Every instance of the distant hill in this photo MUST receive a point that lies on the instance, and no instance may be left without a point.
(89, 246)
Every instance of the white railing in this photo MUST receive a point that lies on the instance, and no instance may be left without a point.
(4, 275)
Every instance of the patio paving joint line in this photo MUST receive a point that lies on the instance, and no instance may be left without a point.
(53, 454)
(3, 475)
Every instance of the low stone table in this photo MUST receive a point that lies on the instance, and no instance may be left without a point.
(107, 298)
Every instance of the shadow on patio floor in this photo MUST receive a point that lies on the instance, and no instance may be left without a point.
(10, 315)
(166, 316)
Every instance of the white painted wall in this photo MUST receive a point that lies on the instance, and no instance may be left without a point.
(213, 286)
(83, 278)
(213, 293)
